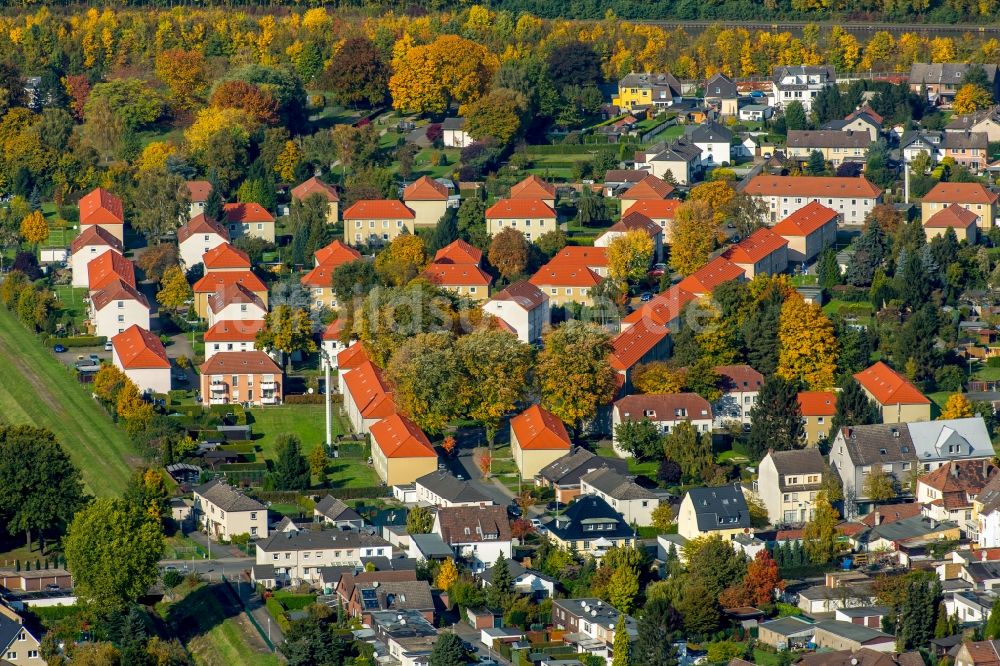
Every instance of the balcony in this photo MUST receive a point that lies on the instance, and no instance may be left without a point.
(272, 400)
(269, 386)
(218, 401)
(219, 388)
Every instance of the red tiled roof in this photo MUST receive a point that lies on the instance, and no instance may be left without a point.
(425, 189)
(138, 348)
(399, 437)
(214, 281)
(101, 207)
(320, 277)
(378, 209)
(581, 255)
(664, 407)
(240, 363)
(649, 187)
(533, 187)
(952, 216)
(333, 331)
(225, 256)
(806, 220)
(369, 391)
(811, 186)
(866, 110)
(755, 247)
(967, 477)
(739, 378)
(636, 221)
(95, 236)
(564, 275)
(234, 293)
(314, 185)
(818, 403)
(198, 190)
(711, 275)
(336, 253)
(200, 224)
(525, 294)
(629, 346)
(234, 330)
(961, 193)
(518, 208)
(458, 252)
(116, 290)
(353, 357)
(890, 513)
(538, 429)
(108, 267)
(664, 308)
(655, 209)
(458, 275)
(246, 212)
(889, 387)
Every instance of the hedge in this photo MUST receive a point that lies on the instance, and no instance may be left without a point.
(277, 611)
(367, 492)
(78, 341)
(311, 399)
(294, 602)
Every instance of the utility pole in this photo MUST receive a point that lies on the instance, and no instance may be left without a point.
(329, 402)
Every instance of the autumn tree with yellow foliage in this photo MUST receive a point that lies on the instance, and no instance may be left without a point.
(717, 194)
(429, 78)
(692, 236)
(957, 407)
(34, 228)
(185, 74)
(574, 374)
(629, 256)
(288, 161)
(447, 575)
(402, 260)
(970, 98)
(658, 377)
(808, 347)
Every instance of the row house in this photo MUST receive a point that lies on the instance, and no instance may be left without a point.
(316, 187)
(100, 208)
(711, 275)
(642, 343)
(983, 121)
(298, 556)
(665, 310)
(761, 253)
(523, 310)
(836, 147)
(367, 396)
(939, 82)
(141, 356)
(92, 242)
(477, 534)
(532, 217)
(248, 219)
(198, 237)
(852, 198)
(969, 149)
(660, 211)
(564, 474)
(595, 622)
(713, 140)
(248, 377)
(664, 410)
(808, 231)
(319, 280)
(232, 335)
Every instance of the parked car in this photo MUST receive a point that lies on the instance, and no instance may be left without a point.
(108, 346)
(59, 349)
(95, 359)
(552, 506)
(513, 510)
(645, 297)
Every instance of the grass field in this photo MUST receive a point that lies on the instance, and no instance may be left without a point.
(35, 388)
(71, 300)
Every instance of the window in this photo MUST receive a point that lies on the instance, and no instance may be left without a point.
(236, 380)
(11, 655)
(121, 304)
(32, 654)
(21, 636)
(274, 557)
(821, 420)
(121, 318)
(253, 531)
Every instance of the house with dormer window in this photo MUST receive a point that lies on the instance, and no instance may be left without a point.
(665, 410)
(477, 534)
(720, 511)
(589, 525)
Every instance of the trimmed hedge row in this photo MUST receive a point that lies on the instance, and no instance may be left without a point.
(77, 341)
(312, 399)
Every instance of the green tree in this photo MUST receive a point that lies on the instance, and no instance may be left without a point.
(820, 535)
(795, 116)
(816, 165)
(428, 378)
(880, 486)
(419, 521)
(654, 644)
(992, 629)
(157, 204)
(854, 407)
(828, 269)
(310, 641)
(352, 281)
(499, 593)
(291, 469)
(698, 606)
(113, 549)
(499, 114)
(715, 563)
(496, 366)
(623, 588)
(640, 437)
(775, 418)
(574, 375)
(688, 449)
(358, 73)
(448, 651)
(622, 644)
(286, 329)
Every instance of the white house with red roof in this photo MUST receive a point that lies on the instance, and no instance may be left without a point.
(376, 221)
(761, 253)
(852, 198)
(537, 438)
(348, 360)
(235, 302)
(232, 335)
(740, 385)
(428, 199)
(650, 188)
(664, 410)
(634, 221)
(198, 193)
(808, 231)
(103, 209)
(566, 283)
(141, 356)
(315, 186)
(711, 275)
(367, 397)
(534, 188)
(401, 452)
(532, 217)
(319, 280)
(198, 237)
(594, 258)
(225, 257)
(524, 310)
(248, 219)
(331, 342)
(899, 400)
(117, 306)
(642, 343)
(660, 211)
(92, 242)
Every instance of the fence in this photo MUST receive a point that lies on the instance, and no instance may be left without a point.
(246, 611)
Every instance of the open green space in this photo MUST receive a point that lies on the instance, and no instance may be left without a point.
(647, 469)
(36, 388)
(72, 303)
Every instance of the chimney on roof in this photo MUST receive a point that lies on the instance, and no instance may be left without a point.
(878, 518)
(954, 470)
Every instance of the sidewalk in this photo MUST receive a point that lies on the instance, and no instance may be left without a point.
(218, 550)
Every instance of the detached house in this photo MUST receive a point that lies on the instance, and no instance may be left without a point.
(314, 186)
(224, 512)
(761, 253)
(787, 484)
(721, 511)
(566, 283)
(682, 159)
(248, 219)
(589, 525)
(973, 197)
(100, 208)
(537, 438)
(198, 192)
(428, 199)
(800, 83)
(401, 452)
(442, 488)
(524, 310)
(721, 92)
(647, 90)
(635, 503)
(532, 217)
(142, 357)
(454, 134)
(665, 410)
(376, 221)
(332, 511)
(818, 409)
(740, 385)
(319, 280)
(899, 401)
(594, 622)
(563, 475)
(650, 188)
(477, 534)
(198, 237)
(714, 141)
(836, 146)
(808, 231)
(961, 220)
(19, 644)
(852, 198)
(466, 280)
(949, 492)
(250, 377)
(534, 188)
(117, 306)
(92, 242)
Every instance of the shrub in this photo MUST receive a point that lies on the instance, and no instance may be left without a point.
(993, 362)
(69, 213)
(277, 611)
(312, 399)
(78, 341)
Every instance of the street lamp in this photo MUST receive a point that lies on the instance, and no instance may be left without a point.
(328, 401)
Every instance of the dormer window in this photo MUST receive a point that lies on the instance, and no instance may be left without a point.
(882, 452)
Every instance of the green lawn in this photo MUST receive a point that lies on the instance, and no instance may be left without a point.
(987, 373)
(71, 299)
(647, 469)
(36, 388)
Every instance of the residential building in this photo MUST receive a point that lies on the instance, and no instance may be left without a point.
(616, 181)
(682, 159)
(863, 119)
(395, 596)
(408, 636)
(590, 526)
(852, 198)
(234, 302)
(319, 280)
(92, 242)
(635, 503)
(914, 142)
(808, 231)
(428, 199)
(232, 335)
(566, 283)
(974, 197)
(642, 343)
(376, 221)
(837, 635)
(225, 258)
(534, 188)
(564, 474)
(949, 492)
(20, 645)
(818, 409)
(532, 217)
(711, 275)
(459, 252)
(466, 280)
(198, 237)
(442, 488)
(800, 83)
(331, 343)
(978, 653)
(721, 92)
(537, 438)
(985, 121)
(100, 208)
(315, 186)
(835, 146)
(332, 511)
(108, 268)
(367, 395)
(454, 134)
(787, 484)
(660, 211)
(961, 220)
(650, 188)
(198, 193)
(761, 253)
(786, 633)
(665, 309)
(986, 514)
(401, 451)
(968, 149)
(142, 357)
(940, 81)
(756, 113)
(249, 377)
(224, 512)
(524, 310)
(646, 90)
(866, 616)
(720, 511)
(524, 581)
(595, 622)
(664, 410)
(899, 401)
(477, 534)
(248, 219)
(739, 385)
(298, 556)
(116, 307)
(215, 282)
(714, 141)
(351, 358)
(634, 221)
